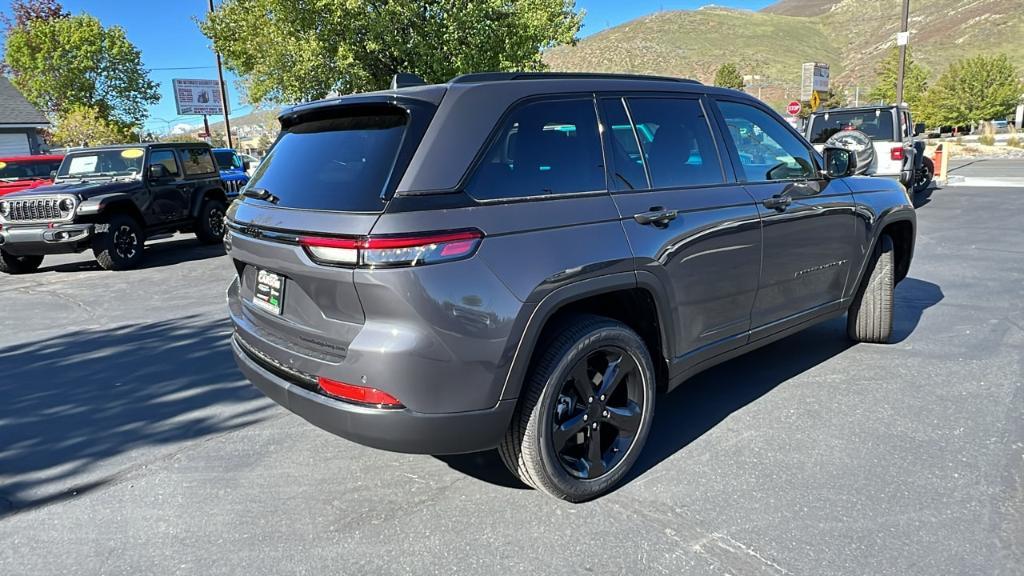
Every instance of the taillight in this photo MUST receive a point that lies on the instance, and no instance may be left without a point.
(408, 250)
(358, 394)
(896, 153)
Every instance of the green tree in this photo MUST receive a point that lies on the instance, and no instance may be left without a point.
(85, 126)
(295, 50)
(59, 63)
(186, 137)
(974, 90)
(728, 76)
(915, 80)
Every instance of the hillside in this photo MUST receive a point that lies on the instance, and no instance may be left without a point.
(850, 35)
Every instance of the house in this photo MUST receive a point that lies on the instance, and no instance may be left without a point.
(20, 123)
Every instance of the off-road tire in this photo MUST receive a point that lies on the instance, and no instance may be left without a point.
(527, 450)
(871, 315)
(11, 264)
(208, 231)
(923, 176)
(120, 246)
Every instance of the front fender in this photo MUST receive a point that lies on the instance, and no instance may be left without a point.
(97, 204)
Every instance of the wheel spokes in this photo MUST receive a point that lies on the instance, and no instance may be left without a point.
(582, 382)
(616, 372)
(568, 429)
(625, 419)
(594, 461)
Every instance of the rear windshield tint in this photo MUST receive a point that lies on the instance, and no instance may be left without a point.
(877, 124)
(337, 163)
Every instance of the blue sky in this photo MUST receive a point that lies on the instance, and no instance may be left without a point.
(169, 38)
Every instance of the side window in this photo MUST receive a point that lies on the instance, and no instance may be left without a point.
(545, 147)
(626, 162)
(197, 161)
(677, 142)
(165, 157)
(767, 150)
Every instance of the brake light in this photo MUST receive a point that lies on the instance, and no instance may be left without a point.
(410, 250)
(358, 394)
(896, 153)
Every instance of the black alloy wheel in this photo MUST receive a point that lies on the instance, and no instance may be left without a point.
(598, 413)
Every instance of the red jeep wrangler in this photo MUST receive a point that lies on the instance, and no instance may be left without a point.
(25, 172)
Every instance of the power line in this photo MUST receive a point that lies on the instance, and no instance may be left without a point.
(183, 68)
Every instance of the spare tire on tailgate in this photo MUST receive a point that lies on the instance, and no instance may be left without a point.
(857, 142)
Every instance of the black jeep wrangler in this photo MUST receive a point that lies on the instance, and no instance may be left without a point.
(112, 199)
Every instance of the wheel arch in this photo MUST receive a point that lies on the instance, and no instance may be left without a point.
(901, 225)
(203, 194)
(107, 204)
(637, 300)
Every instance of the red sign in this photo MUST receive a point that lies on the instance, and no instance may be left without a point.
(794, 108)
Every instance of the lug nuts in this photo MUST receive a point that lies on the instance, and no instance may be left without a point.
(602, 397)
(584, 417)
(594, 425)
(590, 399)
(605, 413)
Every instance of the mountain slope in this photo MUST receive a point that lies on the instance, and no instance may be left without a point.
(851, 35)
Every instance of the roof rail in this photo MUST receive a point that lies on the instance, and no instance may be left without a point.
(506, 76)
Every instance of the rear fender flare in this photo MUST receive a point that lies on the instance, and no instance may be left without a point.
(538, 317)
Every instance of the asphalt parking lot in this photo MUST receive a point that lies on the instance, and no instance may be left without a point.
(130, 444)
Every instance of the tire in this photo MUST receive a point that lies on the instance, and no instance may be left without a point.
(870, 318)
(11, 264)
(857, 142)
(120, 246)
(923, 176)
(210, 222)
(552, 397)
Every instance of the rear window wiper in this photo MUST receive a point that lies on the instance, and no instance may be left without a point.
(260, 194)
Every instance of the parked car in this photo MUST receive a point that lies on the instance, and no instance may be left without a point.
(27, 172)
(457, 267)
(233, 170)
(112, 199)
(882, 137)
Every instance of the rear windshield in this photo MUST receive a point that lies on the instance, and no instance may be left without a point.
(336, 163)
(26, 170)
(226, 159)
(877, 124)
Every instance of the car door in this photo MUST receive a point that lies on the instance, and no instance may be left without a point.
(808, 222)
(165, 192)
(688, 222)
(197, 165)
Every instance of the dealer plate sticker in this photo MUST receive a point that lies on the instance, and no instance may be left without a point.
(269, 292)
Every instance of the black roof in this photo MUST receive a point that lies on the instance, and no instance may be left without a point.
(141, 145)
(508, 76)
(15, 109)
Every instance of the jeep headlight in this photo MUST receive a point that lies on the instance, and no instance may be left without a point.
(5, 209)
(67, 205)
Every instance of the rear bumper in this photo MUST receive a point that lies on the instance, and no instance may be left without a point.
(398, 430)
(41, 240)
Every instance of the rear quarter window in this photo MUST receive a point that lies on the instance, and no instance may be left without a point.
(197, 161)
(341, 162)
(542, 148)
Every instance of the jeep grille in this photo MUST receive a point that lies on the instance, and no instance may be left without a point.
(37, 209)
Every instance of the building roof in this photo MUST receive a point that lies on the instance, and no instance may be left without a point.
(14, 109)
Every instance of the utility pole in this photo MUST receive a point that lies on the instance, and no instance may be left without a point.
(902, 39)
(224, 95)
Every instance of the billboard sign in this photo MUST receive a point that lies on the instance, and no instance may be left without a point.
(813, 79)
(197, 97)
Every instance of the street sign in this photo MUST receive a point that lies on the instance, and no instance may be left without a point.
(815, 101)
(902, 38)
(197, 97)
(814, 78)
(794, 108)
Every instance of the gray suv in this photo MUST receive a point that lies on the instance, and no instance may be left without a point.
(524, 261)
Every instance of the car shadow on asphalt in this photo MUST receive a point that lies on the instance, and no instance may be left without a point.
(919, 199)
(157, 255)
(701, 403)
(74, 406)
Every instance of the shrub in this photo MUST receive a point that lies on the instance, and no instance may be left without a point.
(987, 140)
(1014, 142)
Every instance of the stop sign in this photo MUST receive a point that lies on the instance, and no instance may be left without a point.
(794, 108)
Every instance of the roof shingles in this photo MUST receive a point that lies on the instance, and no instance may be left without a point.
(14, 109)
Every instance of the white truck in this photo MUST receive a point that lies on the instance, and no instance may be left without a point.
(882, 136)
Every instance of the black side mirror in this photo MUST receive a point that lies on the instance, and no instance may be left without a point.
(245, 165)
(53, 174)
(839, 162)
(157, 171)
(919, 128)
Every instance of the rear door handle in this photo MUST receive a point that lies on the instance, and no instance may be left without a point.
(777, 202)
(656, 217)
